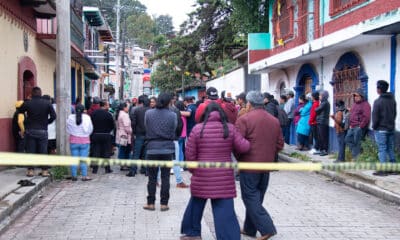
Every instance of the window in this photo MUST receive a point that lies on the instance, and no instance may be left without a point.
(339, 6)
(283, 20)
(346, 82)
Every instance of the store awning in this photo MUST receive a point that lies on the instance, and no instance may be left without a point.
(91, 74)
(93, 16)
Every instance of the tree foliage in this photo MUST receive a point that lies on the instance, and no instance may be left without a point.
(250, 16)
(164, 25)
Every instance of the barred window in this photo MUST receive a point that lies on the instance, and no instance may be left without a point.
(339, 6)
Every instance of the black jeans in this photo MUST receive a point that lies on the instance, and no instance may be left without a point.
(314, 133)
(151, 185)
(102, 145)
(253, 187)
(323, 137)
(36, 142)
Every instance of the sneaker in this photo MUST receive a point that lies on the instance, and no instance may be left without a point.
(182, 185)
(149, 207)
(312, 151)
(381, 173)
(164, 208)
(323, 153)
(171, 172)
(74, 179)
(316, 152)
(131, 174)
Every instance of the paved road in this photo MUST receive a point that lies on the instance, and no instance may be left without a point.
(303, 205)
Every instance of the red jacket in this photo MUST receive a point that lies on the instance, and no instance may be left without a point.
(265, 135)
(229, 109)
(214, 183)
(313, 114)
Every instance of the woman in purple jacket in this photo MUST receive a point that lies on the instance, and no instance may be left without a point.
(213, 140)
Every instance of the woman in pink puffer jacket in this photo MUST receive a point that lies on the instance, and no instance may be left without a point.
(213, 140)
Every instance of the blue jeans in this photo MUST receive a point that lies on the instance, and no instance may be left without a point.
(342, 146)
(177, 169)
(137, 151)
(385, 142)
(79, 150)
(124, 152)
(353, 139)
(253, 187)
(225, 221)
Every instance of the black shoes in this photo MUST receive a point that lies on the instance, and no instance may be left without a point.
(381, 173)
(26, 183)
(131, 174)
(323, 153)
(74, 179)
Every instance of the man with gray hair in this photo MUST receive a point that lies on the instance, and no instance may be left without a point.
(265, 135)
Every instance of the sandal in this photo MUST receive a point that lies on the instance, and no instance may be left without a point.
(149, 207)
(164, 208)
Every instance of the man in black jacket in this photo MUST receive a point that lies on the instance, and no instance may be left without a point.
(139, 130)
(323, 111)
(383, 123)
(101, 138)
(39, 113)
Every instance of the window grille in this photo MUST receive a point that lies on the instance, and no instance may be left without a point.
(346, 82)
(339, 6)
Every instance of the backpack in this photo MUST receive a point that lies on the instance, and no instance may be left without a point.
(282, 117)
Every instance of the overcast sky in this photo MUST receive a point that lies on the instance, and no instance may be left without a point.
(178, 9)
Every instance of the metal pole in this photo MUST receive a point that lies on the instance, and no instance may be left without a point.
(123, 62)
(117, 46)
(63, 78)
(183, 87)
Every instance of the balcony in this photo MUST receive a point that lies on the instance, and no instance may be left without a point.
(47, 30)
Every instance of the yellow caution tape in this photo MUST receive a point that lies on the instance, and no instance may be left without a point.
(24, 159)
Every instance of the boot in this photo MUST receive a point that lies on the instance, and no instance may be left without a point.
(108, 169)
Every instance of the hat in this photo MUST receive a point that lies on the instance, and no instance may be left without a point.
(360, 92)
(290, 93)
(134, 100)
(19, 103)
(188, 98)
(241, 96)
(255, 98)
(96, 100)
(212, 93)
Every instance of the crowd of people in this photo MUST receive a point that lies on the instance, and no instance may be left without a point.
(215, 129)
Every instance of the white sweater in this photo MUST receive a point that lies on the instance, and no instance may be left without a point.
(83, 130)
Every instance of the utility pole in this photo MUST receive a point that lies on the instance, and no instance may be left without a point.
(63, 81)
(123, 62)
(117, 45)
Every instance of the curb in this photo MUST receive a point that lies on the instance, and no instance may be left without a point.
(354, 180)
(19, 200)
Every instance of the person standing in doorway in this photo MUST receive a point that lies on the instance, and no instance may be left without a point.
(323, 122)
(360, 116)
(383, 122)
(39, 113)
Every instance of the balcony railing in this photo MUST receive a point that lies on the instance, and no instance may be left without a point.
(47, 28)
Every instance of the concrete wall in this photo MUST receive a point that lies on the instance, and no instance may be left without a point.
(232, 82)
(12, 51)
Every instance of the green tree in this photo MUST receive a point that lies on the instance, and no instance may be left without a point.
(141, 28)
(164, 24)
(250, 16)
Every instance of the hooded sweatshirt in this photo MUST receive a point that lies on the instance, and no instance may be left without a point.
(384, 113)
(323, 109)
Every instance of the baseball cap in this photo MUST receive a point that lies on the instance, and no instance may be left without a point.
(212, 93)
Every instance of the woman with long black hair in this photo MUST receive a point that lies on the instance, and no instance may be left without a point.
(79, 128)
(213, 140)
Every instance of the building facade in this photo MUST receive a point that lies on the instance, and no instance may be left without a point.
(337, 46)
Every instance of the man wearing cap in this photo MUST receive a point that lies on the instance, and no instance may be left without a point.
(383, 122)
(228, 107)
(266, 140)
(360, 116)
(270, 106)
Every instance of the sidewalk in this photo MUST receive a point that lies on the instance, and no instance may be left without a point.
(15, 199)
(387, 188)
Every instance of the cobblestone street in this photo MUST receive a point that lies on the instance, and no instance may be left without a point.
(303, 206)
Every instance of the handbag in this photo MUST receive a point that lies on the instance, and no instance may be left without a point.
(123, 141)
